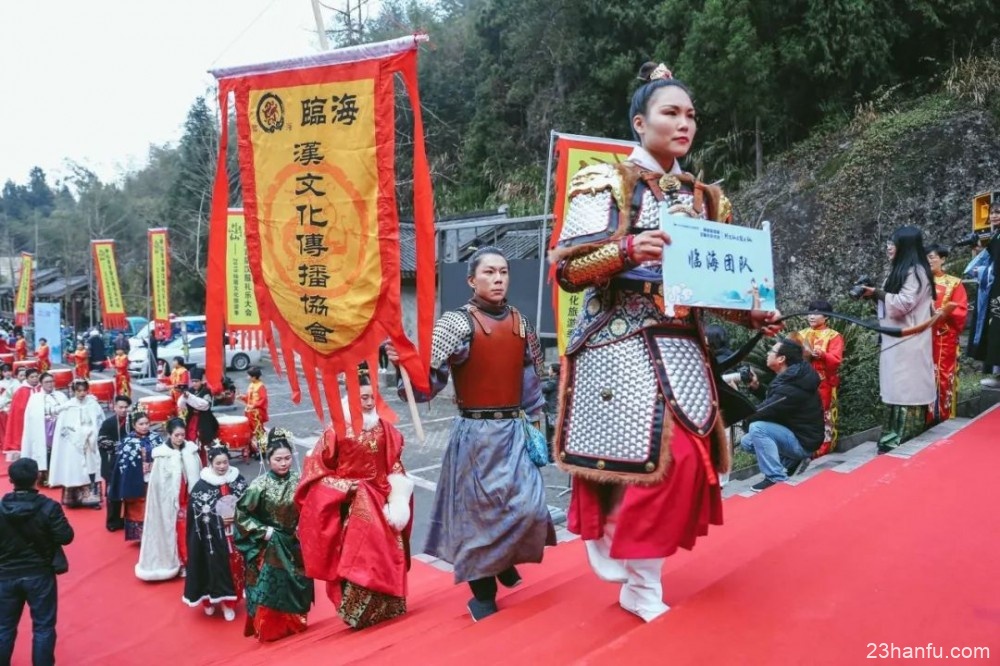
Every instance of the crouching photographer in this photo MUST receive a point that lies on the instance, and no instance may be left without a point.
(787, 427)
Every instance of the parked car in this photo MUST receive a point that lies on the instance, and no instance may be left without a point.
(236, 358)
(178, 325)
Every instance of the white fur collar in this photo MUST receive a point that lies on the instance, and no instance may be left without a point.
(209, 476)
(164, 450)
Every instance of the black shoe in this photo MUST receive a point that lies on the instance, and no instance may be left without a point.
(114, 527)
(763, 485)
(509, 577)
(481, 609)
(797, 467)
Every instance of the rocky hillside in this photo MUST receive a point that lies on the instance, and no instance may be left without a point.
(834, 200)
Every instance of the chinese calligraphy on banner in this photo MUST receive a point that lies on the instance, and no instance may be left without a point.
(241, 304)
(716, 266)
(316, 155)
(159, 273)
(22, 303)
(572, 154)
(112, 305)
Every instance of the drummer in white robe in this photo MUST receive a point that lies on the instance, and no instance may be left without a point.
(76, 460)
(40, 423)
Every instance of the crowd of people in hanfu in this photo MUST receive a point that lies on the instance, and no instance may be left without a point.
(640, 420)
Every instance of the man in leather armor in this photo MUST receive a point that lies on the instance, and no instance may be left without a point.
(639, 423)
(489, 509)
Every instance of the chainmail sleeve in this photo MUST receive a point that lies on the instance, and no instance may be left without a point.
(449, 346)
(532, 400)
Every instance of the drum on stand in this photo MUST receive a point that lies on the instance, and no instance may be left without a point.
(63, 377)
(102, 389)
(235, 432)
(159, 408)
(30, 362)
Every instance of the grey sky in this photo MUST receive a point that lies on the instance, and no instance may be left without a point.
(98, 81)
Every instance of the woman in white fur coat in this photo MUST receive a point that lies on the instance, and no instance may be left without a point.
(176, 469)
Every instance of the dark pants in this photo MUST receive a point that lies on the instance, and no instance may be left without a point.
(114, 520)
(485, 589)
(39, 591)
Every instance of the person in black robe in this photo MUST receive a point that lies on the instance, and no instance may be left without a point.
(98, 351)
(110, 435)
(214, 575)
(196, 401)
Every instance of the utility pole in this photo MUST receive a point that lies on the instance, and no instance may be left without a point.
(320, 28)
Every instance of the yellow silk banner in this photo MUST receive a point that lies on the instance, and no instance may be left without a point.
(317, 224)
(572, 154)
(241, 303)
(159, 271)
(112, 305)
(22, 304)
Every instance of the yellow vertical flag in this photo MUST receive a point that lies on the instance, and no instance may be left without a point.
(241, 303)
(112, 305)
(22, 304)
(159, 275)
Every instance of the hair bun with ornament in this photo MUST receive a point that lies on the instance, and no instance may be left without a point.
(653, 71)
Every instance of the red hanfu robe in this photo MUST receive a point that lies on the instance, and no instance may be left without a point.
(123, 383)
(43, 354)
(365, 550)
(945, 343)
(15, 419)
(81, 364)
(20, 349)
(828, 347)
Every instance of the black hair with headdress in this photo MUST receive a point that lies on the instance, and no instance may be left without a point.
(197, 374)
(277, 438)
(364, 374)
(653, 76)
(215, 451)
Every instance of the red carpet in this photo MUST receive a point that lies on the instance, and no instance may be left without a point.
(902, 552)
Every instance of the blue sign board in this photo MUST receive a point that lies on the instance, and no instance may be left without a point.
(713, 265)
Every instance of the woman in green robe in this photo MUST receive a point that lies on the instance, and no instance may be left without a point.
(278, 594)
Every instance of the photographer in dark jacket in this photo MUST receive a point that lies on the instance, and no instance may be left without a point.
(787, 427)
(33, 530)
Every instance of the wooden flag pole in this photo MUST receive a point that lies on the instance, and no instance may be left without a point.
(412, 402)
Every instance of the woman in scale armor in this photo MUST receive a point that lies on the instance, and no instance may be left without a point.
(489, 510)
(639, 424)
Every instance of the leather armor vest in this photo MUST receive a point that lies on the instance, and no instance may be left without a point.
(492, 376)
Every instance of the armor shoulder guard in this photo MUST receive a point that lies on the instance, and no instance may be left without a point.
(451, 331)
(596, 194)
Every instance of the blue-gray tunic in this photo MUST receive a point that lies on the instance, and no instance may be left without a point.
(489, 510)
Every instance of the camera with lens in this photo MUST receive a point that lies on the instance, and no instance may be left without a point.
(858, 290)
(743, 374)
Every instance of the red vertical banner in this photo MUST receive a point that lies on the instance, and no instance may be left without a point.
(108, 286)
(316, 155)
(22, 302)
(159, 280)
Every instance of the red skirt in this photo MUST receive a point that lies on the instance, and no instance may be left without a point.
(653, 521)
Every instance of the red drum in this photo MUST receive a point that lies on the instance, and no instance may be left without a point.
(63, 377)
(102, 389)
(8, 359)
(235, 432)
(159, 408)
(30, 362)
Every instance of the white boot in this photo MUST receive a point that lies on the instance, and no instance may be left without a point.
(643, 593)
(599, 553)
